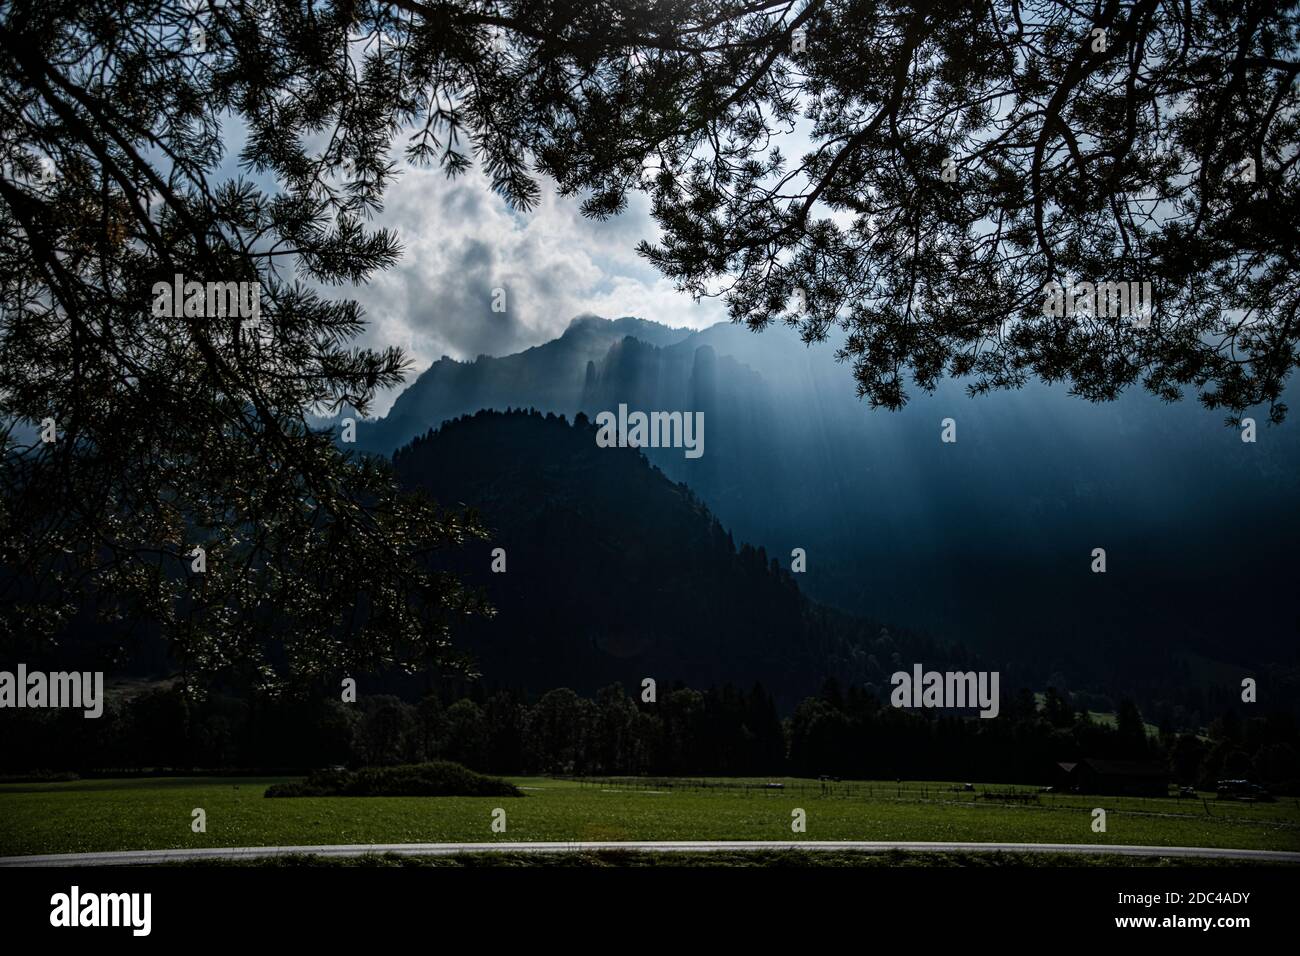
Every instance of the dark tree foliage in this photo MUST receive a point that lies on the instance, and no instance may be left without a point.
(1165, 153)
(1102, 143)
(176, 432)
(719, 732)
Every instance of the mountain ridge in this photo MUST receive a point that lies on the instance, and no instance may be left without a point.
(612, 572)
(987, 540)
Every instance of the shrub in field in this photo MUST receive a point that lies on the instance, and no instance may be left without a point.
(438, 778)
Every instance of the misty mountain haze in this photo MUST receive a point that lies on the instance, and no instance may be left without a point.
(987, 540)
(614, 573)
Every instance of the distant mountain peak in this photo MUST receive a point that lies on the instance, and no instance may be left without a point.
(623, 326)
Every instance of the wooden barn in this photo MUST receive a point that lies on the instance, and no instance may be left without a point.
(1122, 778)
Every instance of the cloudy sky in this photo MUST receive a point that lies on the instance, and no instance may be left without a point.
(462, 241)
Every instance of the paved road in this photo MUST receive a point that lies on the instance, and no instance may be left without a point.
(137, 857)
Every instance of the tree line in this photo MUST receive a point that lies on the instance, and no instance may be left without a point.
(724, 731)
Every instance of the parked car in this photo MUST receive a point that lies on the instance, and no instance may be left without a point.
(1242, 790)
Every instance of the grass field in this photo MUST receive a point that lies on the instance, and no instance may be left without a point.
(155, 813)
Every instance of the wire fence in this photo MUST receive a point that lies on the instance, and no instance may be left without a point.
(973, 794)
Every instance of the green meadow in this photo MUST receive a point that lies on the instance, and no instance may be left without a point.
(156, 813)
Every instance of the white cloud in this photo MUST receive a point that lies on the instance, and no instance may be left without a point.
(462, 241)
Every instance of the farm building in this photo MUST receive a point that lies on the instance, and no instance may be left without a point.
(1128, 778)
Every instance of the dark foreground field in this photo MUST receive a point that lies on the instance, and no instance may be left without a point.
(157, 813)
(794, 859)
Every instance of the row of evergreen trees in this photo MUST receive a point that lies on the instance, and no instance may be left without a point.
(722, 731)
